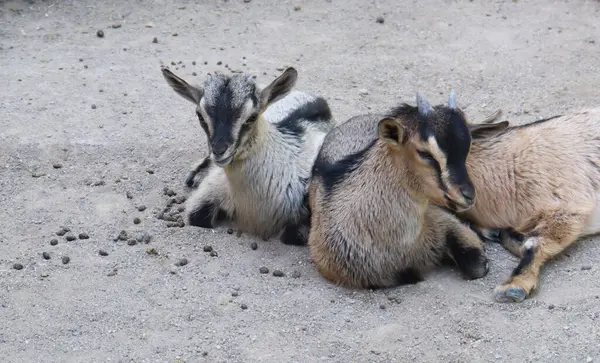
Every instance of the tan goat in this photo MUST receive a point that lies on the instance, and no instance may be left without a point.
(537, 182)
(372, 225)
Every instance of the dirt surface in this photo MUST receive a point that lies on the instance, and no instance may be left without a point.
(90, 131)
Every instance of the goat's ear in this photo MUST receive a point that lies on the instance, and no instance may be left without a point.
(392, 131)
(484, 131)
(185, 90)
(279, 88)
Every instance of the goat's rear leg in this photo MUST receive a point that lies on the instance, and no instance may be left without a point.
(555, 233)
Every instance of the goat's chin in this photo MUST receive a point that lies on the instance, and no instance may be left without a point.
(457, 207)
(223, 161)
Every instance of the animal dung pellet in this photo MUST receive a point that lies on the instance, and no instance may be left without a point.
(18, 266)
(83, 235)
(143, 237)
(254, 246)
(53, 242)
(244, 306)
(295, 274)
(141, 208)
(207, 248)
(263, 270)
(132, 242)
(57, 165)
(278, 273)
(181, 262)
(235, 294)
(230, 231)
(100, 34)
(66, 260)
(122, 236)
(129, 195)
(136, 220)
(169, 192)
(213, 254)
(103, 253)
(380, 20)
(61, 232)
(155, 40)
(70, 237)
(46, 255)
(150, 171)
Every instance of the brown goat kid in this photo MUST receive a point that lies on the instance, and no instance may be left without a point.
(372, 225)
(538, 183)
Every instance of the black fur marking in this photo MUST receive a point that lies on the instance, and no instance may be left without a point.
(470, 260)
(293, 235)
(537, 122)
(528, 255)
(334, 173)
(315, 111)
(203, 216)
(408, 276)
(511, 233)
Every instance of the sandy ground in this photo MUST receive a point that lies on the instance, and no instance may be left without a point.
(530, 58)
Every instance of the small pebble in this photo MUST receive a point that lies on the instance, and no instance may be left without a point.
(81, 59)
(66, 259)
(155, 40)
(219, 63)
(235, 293)
(180, 199)
(382, 307)
(141, 208)
(46, 255)
(100, 34)
(129, 195)
(207, 248)
(586, 267)
(263, 270)
(99, 183)
(296, 274)
(136, 220)
(253, 246)
(169, 192)
(230, 231)
(103, 253)
(143, 237)
(363, 92)
(247, 1)
(172, 224)
(297, 8)
(175, 34)
(57, 165)
(70, 237)
(551, 307)
(123, 236)
(244, 306)
(132, 242)
(194, 74)
(205, 62)
(180, 224)
(180, 208)
(83, 235)
(204, 354)
(278, 273)
(93, 106)
(18, 266)
(53, 242)
(181, 262)
(116, 26)
(380, 19)
(214, 254)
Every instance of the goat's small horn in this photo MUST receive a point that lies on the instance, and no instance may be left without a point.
(423, 105)
(452, 99)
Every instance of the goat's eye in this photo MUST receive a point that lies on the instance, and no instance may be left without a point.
(200, 118)
(252, 119)
(426, 156)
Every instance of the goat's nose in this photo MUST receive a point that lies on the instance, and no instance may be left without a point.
(468, 193)
(219, 149)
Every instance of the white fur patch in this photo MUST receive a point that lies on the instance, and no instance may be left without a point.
(531, 243)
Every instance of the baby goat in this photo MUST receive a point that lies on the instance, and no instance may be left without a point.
(372, 225)
(262, 143)
(537, 182)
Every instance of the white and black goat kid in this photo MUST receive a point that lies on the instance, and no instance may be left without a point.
(263, 143)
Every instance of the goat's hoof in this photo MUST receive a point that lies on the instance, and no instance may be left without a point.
(189, 179)
(509, 294)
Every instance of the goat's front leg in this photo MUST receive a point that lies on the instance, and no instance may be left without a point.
(190, 179)
(553, 234)
(467, 251)
(210, 205)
